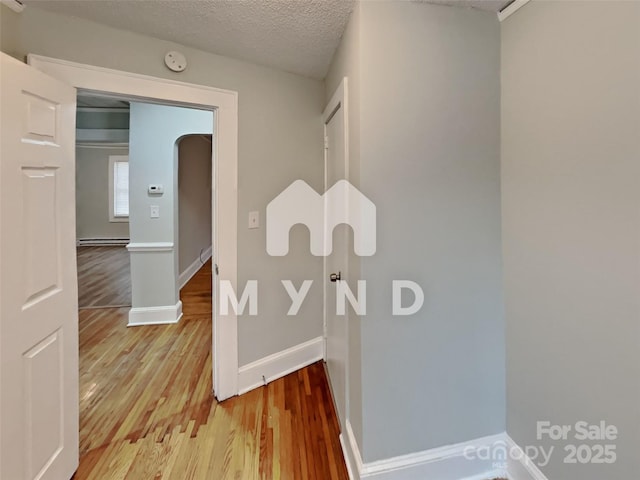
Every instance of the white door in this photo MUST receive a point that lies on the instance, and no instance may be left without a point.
(336, 265)
(38, 285)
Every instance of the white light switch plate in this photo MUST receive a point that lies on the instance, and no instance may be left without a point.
(254, 219)
(154, 211)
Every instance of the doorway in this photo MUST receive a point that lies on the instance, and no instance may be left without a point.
(336, 265)
(102, 202)
(136, 383)
(92, 79)
(194, 205)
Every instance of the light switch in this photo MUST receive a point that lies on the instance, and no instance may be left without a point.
(254, 219)
(154, 211)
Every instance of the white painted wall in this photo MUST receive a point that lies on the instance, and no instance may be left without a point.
(194, 199)
(280, 140)
(92, 194)
(570, 176)
(154, 133)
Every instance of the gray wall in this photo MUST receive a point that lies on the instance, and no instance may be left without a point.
(107, 120)
(92, 194)
(194, 199)
(429, 96)
(570, 172)
(280, 140)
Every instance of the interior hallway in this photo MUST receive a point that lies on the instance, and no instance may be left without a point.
(146, 409)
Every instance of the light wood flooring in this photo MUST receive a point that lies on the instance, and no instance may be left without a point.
(104, 277)
(147, 411)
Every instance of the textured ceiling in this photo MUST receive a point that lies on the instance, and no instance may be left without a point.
(298, 36)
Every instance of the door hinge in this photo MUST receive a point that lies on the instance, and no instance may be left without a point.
(326, 142)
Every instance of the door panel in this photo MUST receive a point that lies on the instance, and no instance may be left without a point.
(337, 262)
(38, 283)
(40, 242)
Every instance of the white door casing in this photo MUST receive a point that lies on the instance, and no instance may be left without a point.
(224, 180)
(336, 326)
(38, 280)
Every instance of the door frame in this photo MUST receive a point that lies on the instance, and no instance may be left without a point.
(338, 105)
(224, 180)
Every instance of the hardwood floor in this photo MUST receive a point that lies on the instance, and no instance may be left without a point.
(147, 411)
(104, 277)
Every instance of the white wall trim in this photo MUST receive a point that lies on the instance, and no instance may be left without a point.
(337, 105)
(196, 265)
(150, 247)
(444, 463)
(155, 315)
(511, 9)
(102, 109)
(272, 367)
(521, 467)
(106, 241)
(105, 146)
(347, 458)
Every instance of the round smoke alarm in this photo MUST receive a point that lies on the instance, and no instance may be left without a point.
(175, 61)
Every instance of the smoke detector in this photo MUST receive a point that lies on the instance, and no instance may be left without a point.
(175, 61)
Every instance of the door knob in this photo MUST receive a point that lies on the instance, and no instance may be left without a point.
(334, 277)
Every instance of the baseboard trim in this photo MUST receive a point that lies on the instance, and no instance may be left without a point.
(196, 265)
(519, 465)
(349, 451)
(347, 458)
(101, 242)
(449, 462)
(268, 369)
(155, 315)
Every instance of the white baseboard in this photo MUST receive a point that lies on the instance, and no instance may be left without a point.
(521, 467)
(347, 453)
(451, 462)
(155, 315)
(101, 242)
(192, 269)
(267, 369)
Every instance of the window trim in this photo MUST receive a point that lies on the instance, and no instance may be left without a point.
(112, 217)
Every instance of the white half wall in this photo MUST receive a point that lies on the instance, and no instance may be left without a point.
(153, 159)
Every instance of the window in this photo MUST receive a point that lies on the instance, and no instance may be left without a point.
(119, 188)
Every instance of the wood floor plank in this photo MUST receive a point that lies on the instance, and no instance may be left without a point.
(147, 409)
(104, 277)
